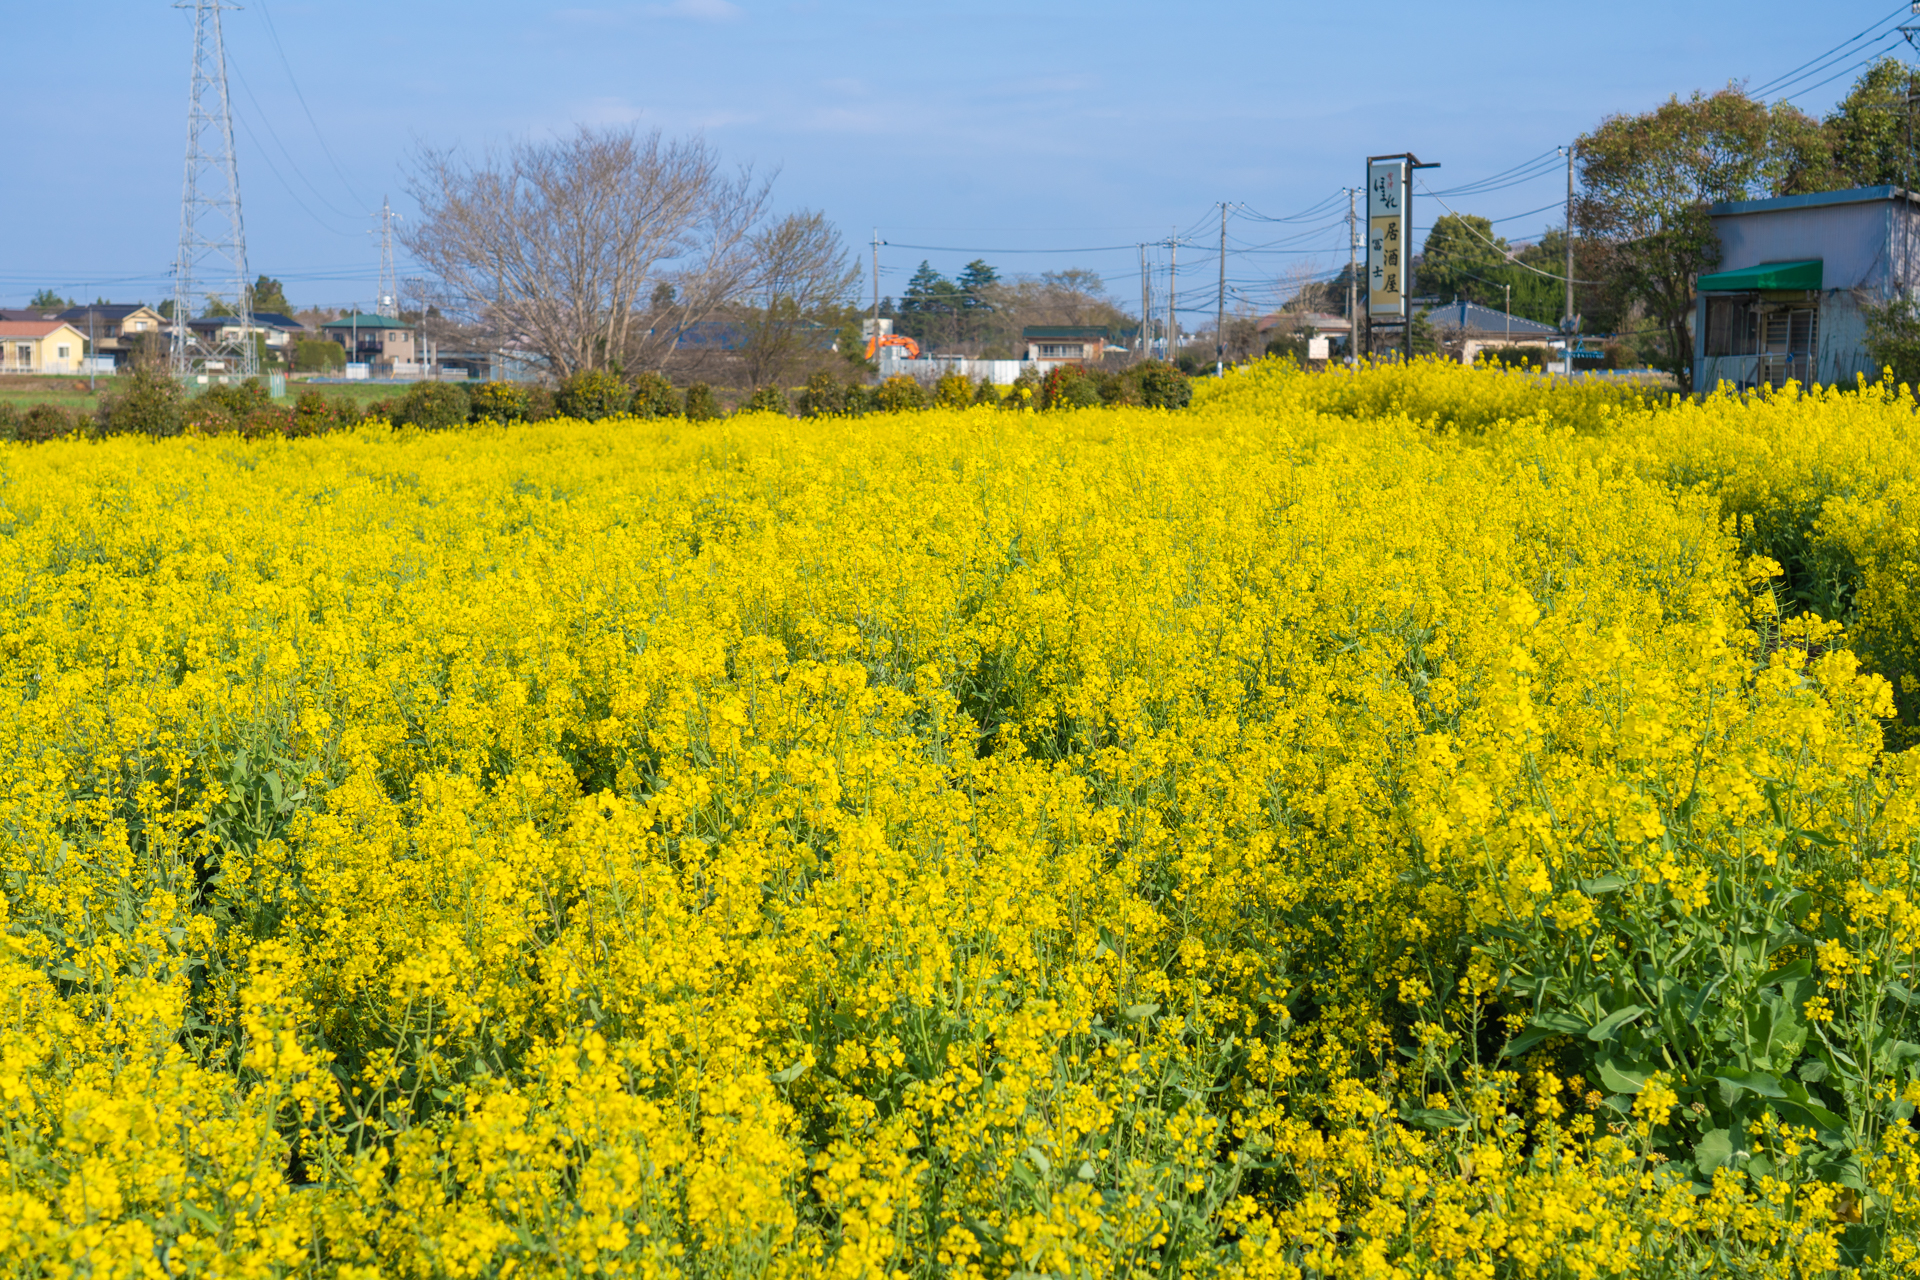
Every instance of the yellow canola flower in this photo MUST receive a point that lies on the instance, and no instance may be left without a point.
(946, 843)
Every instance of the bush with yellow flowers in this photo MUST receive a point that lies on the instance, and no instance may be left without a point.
(1410, 822)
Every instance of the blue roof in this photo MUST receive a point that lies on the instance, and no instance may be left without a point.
(1810, 200)
(1473, 317)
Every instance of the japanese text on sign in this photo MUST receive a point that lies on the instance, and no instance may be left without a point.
(1386, 256)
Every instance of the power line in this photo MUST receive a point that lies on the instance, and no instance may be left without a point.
(266, 120)
(318, 135)
(1474, 188)
(1781, 81)
(937, 248)
(1508, 253)
(1846, 71)
(1302, 216)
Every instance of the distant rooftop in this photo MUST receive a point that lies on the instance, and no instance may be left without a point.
(104, 311)
(261, 320)
(30, 328)
(1321, 321)
(1474, 318)
(1811, 200)
(361, 320)
(1106, 332)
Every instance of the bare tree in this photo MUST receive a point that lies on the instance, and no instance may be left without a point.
(556, 246)
(802, 277)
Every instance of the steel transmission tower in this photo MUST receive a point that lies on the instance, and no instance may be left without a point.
(389, 285)
(212, 264)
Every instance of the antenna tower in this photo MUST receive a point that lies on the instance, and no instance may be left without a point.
(212, 263)
(389, 284)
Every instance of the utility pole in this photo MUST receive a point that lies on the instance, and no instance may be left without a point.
(1353, 266)
(1904, 276)
(1146, 313)
(873, 343)
(213, 241)
(1173, 293)
(1220, 318)
(1570, 325)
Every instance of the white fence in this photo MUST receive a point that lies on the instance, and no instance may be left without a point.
(928, 368)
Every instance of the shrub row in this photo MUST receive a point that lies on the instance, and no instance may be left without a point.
(1151, 384)
(147, 402)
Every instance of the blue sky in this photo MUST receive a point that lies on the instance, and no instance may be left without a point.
(1072, 130)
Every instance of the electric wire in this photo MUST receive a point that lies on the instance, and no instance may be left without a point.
(1846, 71)
(1509, 254)
(1502, 178)
(937, 248)
(318, 135)
(1781, 81)
(1302, 216)
(267, 121)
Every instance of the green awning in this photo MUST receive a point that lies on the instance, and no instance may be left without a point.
(1804, 274)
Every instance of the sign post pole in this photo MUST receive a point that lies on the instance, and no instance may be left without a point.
(1390, 244)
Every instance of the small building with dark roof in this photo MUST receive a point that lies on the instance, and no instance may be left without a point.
(1071, 342)
(1476, 328)
(278, 332)
(1788, 299)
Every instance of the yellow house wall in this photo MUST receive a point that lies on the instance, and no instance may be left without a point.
(46, 357)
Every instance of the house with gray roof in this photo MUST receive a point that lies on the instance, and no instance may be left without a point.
(1477, 328)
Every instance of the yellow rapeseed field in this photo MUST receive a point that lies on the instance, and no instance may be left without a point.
(1407, 823)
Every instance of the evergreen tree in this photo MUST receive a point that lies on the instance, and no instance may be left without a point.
(268, 295)
(1870, 132)
(929, 307)
(1459, 251)
(976, 287)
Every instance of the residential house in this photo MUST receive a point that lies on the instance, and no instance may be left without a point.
(41, 346)
(1476, 328)
(278, 332)
(114, 328)
(1795, 278)
(377, 340)
(1322, 324)
(1063, 343)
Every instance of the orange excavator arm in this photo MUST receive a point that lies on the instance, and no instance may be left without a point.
(893, 340)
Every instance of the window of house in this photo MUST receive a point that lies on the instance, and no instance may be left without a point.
(1732, 326)
(25, 353)
(1062, 351)
(65, 353)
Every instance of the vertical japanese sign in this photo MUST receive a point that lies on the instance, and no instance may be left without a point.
(1386, 238)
